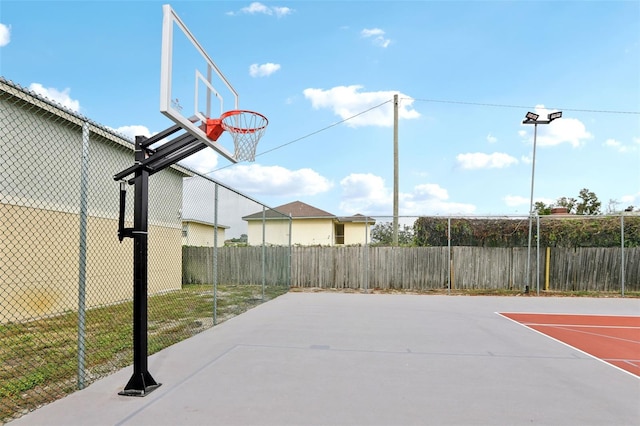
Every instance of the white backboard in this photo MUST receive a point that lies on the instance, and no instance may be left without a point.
(192, 87)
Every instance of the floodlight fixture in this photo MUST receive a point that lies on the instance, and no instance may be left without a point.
(554, 115)
(532, 116)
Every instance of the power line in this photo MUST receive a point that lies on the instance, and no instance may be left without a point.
(433, 101)
(600, 111)
(310, 134)
(325, 128)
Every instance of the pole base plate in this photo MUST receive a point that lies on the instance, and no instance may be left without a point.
(140, 384)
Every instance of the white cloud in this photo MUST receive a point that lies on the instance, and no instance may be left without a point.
(430, 190)
(263, 70)
(281, 11)
(480, 160)
(562, 130)
(132, 131)
(631, 200)
(367, 189)
(620, 147)
(374, 32)
(347, 101)
(259, 8)
(431, 198)
(5, 35)
(367, 194)
(256, 7)
(255, 179)
(57, 96)
(377, 36)
(516, 201)
(203, 161)
(612, 142)
(491, 138)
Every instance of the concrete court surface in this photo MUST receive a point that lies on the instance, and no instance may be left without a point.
(371, 359)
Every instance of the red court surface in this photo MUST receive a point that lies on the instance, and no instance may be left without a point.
(612, 339)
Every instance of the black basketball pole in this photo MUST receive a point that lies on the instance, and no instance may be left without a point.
(147, 162)
(141, 381)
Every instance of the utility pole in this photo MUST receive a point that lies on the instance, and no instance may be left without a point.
(395, 170)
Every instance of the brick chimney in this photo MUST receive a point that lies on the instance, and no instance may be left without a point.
(559, 210)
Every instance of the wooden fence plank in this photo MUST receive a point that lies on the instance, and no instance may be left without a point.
(415, 268)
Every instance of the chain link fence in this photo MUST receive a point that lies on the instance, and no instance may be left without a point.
(66, 282)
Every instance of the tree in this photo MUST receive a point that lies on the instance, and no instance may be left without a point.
(382, 234)
(541, 208)
(237, 242)
(589, 204)
(612, 206)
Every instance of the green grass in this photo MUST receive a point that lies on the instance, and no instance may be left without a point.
(39, 361)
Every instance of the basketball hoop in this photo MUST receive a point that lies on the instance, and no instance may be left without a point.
(246, 129)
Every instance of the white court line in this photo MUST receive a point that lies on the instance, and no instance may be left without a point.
(569, 314)
(583, 325)
(566, 328)
(560, 341)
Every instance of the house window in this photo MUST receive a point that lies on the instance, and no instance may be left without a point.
(184, 230)
(339, 233)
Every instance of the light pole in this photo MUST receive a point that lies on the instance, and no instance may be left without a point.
(532, 118)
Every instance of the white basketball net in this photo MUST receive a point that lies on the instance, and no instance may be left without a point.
(246, 128)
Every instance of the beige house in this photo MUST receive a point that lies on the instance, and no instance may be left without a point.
(308, 226)
(59, 212)
(202, 234)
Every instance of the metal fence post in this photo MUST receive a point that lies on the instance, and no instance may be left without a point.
(366, 255)
(290, 251)
(82, 255)
(622, 254)
(264, 247)
(215, 254)
(448, 255)
(537, 254)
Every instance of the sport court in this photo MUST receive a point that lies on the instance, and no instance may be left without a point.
(374, 359)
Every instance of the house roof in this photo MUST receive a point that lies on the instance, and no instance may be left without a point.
(357, 218)
(202, 222)
(297, 210)
(300, 210)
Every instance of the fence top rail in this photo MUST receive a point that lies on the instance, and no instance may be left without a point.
(508, 216)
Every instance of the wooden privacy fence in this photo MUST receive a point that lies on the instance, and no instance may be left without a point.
(236, 265)
(417, 268)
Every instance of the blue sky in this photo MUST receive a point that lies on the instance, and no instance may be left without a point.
(466, 74)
